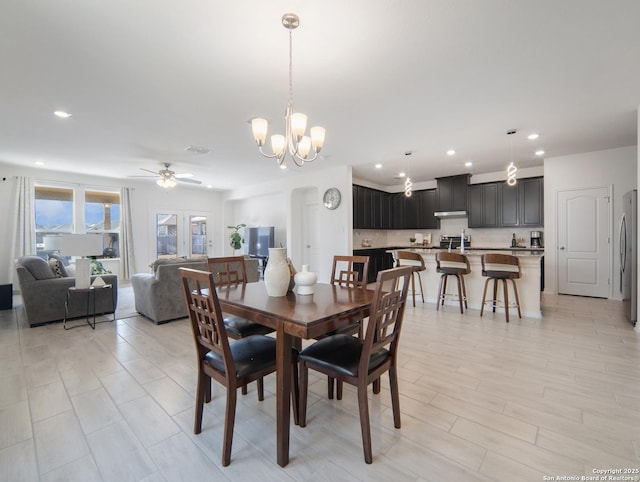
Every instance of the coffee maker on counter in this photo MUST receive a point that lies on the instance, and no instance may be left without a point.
(536, 239)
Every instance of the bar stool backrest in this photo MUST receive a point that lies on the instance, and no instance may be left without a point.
(446, 257)
(495, 262)
(415, 258)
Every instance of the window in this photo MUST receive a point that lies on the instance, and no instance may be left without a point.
(102, 215)
(53, 213)
(77, 211)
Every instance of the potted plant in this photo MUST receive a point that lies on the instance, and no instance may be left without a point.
(235, 239)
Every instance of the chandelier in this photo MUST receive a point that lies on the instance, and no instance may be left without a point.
(301, 148)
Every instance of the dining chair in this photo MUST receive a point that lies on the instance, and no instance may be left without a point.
(233, 365)
(361, 361)
(501, 267)
(349, 271)
(232, 271)
(409, 258)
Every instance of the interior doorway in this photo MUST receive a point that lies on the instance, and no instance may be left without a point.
(311, 236)
(584, 250)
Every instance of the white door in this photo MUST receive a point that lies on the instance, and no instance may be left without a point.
(311, 236)
(583, 242)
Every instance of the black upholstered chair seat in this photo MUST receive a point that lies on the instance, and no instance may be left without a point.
(501, 274)
(341, 353)
(451, 270)
(250, 355)
(241, 328)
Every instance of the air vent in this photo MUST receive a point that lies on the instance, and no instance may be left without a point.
(197, 150)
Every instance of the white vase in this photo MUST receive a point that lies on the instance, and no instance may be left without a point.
(276, 274)
(305, 280)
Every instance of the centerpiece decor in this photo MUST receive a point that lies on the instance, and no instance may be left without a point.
(305, 280)
(277, 274)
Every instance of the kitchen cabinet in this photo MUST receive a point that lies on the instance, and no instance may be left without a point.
(483, 205)
(379, 260)
(531, 199)
(427, 201)
(496, 204)
(370, 208)
(509, 204)
(373, 209)
(452, 193)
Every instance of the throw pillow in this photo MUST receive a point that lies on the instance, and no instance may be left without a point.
(60, 267)
(56, 267)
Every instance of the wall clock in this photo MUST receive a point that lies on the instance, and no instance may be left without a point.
(332, 198)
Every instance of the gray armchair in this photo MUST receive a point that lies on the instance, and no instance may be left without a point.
(44, 294)
(159, 296)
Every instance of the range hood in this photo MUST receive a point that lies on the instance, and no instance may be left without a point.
(450, 214)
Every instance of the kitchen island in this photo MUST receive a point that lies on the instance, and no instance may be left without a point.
(529, 285)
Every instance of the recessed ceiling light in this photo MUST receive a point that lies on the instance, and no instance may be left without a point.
(402, 174)
(62, 114)
(533, 137)
(539, 152)
(39, 163)
(378, 166)
(283, 167)
(450, 152)
(209, 186)
(468, 164)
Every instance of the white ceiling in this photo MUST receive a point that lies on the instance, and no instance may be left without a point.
(146, 78)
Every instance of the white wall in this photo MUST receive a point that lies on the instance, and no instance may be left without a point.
(615, 168)
(146, 197)
(280, 204)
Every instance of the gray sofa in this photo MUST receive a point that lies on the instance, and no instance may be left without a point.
(44, 293)
(158, 295)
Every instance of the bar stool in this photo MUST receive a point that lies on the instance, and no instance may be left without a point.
(501, 267)
(460, 269)
(417, 263)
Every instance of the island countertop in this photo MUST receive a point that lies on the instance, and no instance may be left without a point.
(529, 285)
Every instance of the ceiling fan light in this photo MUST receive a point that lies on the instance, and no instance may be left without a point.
(259, 127)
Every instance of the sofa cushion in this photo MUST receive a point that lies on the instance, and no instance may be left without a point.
(64, 261)
(57, 268)
(37, 267)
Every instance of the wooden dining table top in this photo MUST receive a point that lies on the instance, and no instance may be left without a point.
(294, 317)
(304, 316)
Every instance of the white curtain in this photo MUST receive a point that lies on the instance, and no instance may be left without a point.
(127, 261)
(23, 230)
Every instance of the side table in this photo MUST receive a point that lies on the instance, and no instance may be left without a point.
(90, 294)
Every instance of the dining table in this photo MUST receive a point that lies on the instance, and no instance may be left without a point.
(294, 317)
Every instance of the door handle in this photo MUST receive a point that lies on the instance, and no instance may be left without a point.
(308, 245)
(562, 247)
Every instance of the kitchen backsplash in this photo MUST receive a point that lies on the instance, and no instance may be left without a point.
(480, 237)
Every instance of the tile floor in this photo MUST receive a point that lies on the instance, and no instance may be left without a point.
(480, 400)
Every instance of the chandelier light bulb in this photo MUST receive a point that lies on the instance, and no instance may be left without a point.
(300, 147)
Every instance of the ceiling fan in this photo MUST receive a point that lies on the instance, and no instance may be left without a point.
(168, 178)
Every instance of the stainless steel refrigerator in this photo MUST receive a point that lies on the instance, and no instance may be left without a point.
(629, 255)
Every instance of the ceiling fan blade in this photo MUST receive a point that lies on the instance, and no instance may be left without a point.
(145, 176)
(192, 181)
(147, 170)
(182, 176)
